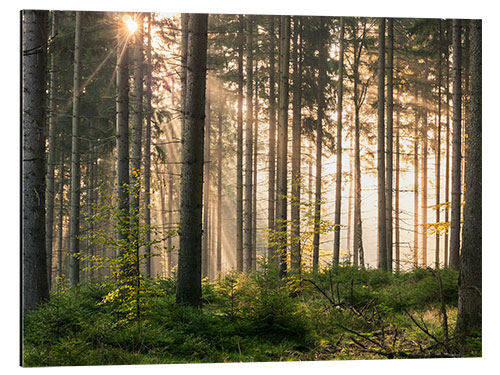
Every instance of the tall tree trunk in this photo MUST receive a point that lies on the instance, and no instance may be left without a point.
(438, 144)
(389, 141)
(295, 245)
(189, 268)
(424, 187)
(147, 151)
(239, 154)
(415, 182)
(271, 200)
(358, 252)
(396, 191)
(74, 218)
(319, 139)
(34, 257)
(61, 213)
(382, 225)
(338, 175)
(51, 158)
(349, 202)
(219, 187)
(281, 190)
(447, 167)
(122, 143)
(254, 160)
(205, 256)
(247, 229)
(456, 158)
(469, 318)
(136, 139)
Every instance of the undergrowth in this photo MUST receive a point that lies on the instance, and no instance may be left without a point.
(338, 313)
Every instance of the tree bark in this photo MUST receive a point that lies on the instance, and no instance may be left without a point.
(247, 228)
(34, 257)
(219, 187)
(272, 251)
(338, 175)
(51, 157)
(389, 141)
(281, 200)
(319, 140)
(74, 218)
(438, 144)
(239, 154)
(295, 241)
(147, 152)
(382, 225)
(456, 157)
(469, 318)
(415, 181)
(189, 268)
(205, 246)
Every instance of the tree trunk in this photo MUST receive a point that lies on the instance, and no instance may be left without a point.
(219, 188)
(74, 218)
(239, 154)
(382, 225)
(338, 175)
(34, 257)
(358, 252)
(456, 158)
(247, 229)
(147, 152)
(61, 213)
(415, 182)
(389, 141)
(281, 200)
(189, 268)
(51, 158)
(396, 191)
(272, 255)
(254, 160)
(447, 167)
(438, 144)
(122, 145)
(295, 243)
(469, 318)
(424, 188)
(322, 49)
(136, 139)
(205, 256)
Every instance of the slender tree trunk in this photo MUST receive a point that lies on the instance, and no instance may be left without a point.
(295, 243)
(34, 257)
(247, 229)
(122, 144)
(254, 160)
(415, 193)
(382, 225)
(272, 253)
(447, 167)
(147, 151)
(170, 222)
(469, 318)
(358, 252)
(319, 140)
(205, 256)
(136, 139)
(396, 191)
(219, 188)
(438, 144)
(281, 190)
(389, 141)
(61, 213)
(51, 158)
(456, 158)
(74, 218)
(338, 178)
(351, 191)
(189, 268)
(239, 154)
(166, 269)
(424, 188)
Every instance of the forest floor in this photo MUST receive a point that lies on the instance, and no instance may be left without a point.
(339, 313)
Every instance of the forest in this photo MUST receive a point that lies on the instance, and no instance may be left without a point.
(208, 188)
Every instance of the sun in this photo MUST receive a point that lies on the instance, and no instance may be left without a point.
(131, 24)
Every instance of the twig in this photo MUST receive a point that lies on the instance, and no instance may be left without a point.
(361, 335)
